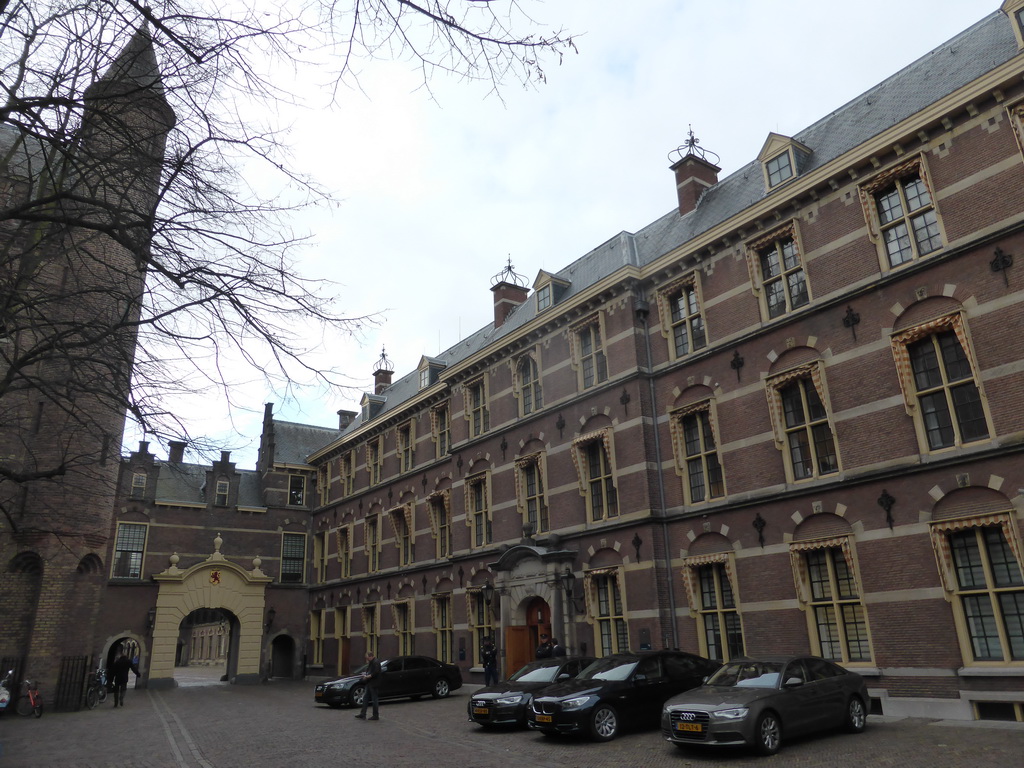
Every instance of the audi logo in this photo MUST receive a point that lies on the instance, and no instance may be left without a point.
(687, 715)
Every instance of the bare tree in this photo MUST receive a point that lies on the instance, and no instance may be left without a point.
(136, 261)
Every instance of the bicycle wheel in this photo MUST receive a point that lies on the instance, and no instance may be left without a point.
(101, 693)
(24, 706)
(91, 698)
(38, 709)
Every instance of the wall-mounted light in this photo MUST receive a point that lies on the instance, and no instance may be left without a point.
(150, 619)
(568, 581)
(271, 614)
(487, 590)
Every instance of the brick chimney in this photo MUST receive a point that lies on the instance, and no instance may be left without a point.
(345, 418)
(693, 175)
(507, 296)
(176, 451)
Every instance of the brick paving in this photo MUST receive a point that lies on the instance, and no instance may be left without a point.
(204, 725)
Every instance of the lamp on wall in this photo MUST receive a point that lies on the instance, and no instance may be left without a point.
(271, 613)
(568, 581)
(487, 590)
(150, 619)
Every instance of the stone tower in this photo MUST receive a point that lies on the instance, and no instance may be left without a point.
(77, 245)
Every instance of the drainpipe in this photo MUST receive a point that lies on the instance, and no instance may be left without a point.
(642, 313)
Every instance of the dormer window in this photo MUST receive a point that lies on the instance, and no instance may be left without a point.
(544, 297)
(429, 371)
(779, 168)
(1015, 10)
(371, 405)
(424, 378)
(549, 290)
(781, 158)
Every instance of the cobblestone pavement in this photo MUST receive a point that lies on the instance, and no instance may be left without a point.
(199, 725)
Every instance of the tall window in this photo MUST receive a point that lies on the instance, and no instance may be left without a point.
(128, 550)
(593, 364)
(406, 456)
(782, 276)
(139, 485)
(530, 482)
(906, 215)
(444, 632)
(687, 320)
(699, 456)
(597, 481)
(293, 558)
(479, 418)
(947, 391)
(371, 628)
(829, 590)
(403, 534)
(480, 620)
(345, 551)
(478, 511)
(296, 490)
(440, 522)
(611, 629)
(372, 533)
(441, 427)
(711, 593)
(323, 482)
(375, 459)
(316, 636)
(221, 493)
(803, 429)
(530, 398)
(348, 473)
(341, 634)
(404, 627)
(990, 592)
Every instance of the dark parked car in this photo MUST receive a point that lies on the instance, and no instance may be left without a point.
(759, 701)
(505, 703)
(401, 676)
(624, 688)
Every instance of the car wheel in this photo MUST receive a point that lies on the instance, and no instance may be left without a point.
(604, 723)
(856, 715)
(441, 689)
(358, 694)
(768, 734)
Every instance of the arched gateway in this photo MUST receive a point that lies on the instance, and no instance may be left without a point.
(214, 583)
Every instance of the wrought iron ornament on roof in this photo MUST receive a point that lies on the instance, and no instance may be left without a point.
(689, 147)
(509, 275)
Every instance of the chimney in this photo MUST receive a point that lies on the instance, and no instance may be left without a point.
(382, 375)
(507, 296)
(345, 418)
(693, 175)
(176, 451)
(225, 457)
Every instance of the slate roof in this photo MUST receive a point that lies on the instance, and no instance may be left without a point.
(183, 483)
(294, 442)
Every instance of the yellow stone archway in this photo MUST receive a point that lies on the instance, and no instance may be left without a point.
(214, 583)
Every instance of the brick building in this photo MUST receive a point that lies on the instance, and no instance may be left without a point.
(786, 416)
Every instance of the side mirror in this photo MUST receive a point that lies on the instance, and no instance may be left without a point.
(793, 682)
(564, 676)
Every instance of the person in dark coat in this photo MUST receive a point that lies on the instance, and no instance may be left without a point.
(489, 657)
(372, 679)
(119, 676)
(557, 649)
(545, 648)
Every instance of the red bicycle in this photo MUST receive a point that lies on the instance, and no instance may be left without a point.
(30, 702)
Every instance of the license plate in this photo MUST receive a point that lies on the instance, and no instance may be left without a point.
(319, 694)
(481, 711)
(694, 727)
(543, 718)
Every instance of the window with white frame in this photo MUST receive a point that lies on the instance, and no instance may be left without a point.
(371, 532)
(981, 566)
(316, 637)
(940, 382)
(444, 631)
(320, 556)
(440, 427)
(682, 316)
(592, 455)
(481, 621)
(710, 581)
(778, 169)
(406, 441)
(375, 459)
(478, 513)
(296, 490)
(605, 596)
(404, 626)
(293, 558)
(344, 540)
(902, 213)
(530, 492)
(528, 380)
(401, 521)
(221, 493)
(371, 628)
(696, 453)
(803, 427)
(829, 589)
(780, 272)
(589, 354)
(341, 633)
(139, 485)
(129, 548)
(476, 407)
(348, 473)
(440, 522)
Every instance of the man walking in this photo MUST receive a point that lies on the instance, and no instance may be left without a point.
(119, 676)
(372, 679)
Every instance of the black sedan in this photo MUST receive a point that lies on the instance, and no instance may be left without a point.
(624, 688)
(401, 676)
(759, 701)
(505, 703)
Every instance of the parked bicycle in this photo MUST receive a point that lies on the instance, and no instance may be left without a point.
(30, 702)
(6, 684)
(96, 693)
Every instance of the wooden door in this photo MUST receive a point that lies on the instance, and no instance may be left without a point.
(518, 650)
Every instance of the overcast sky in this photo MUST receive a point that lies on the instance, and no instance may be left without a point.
(440, 189)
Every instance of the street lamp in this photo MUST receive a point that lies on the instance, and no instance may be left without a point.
(270, 618)
(568, 581)
(487, 590)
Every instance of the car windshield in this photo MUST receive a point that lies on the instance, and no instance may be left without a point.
(536, 673)
(609, 669)
(748, 674)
